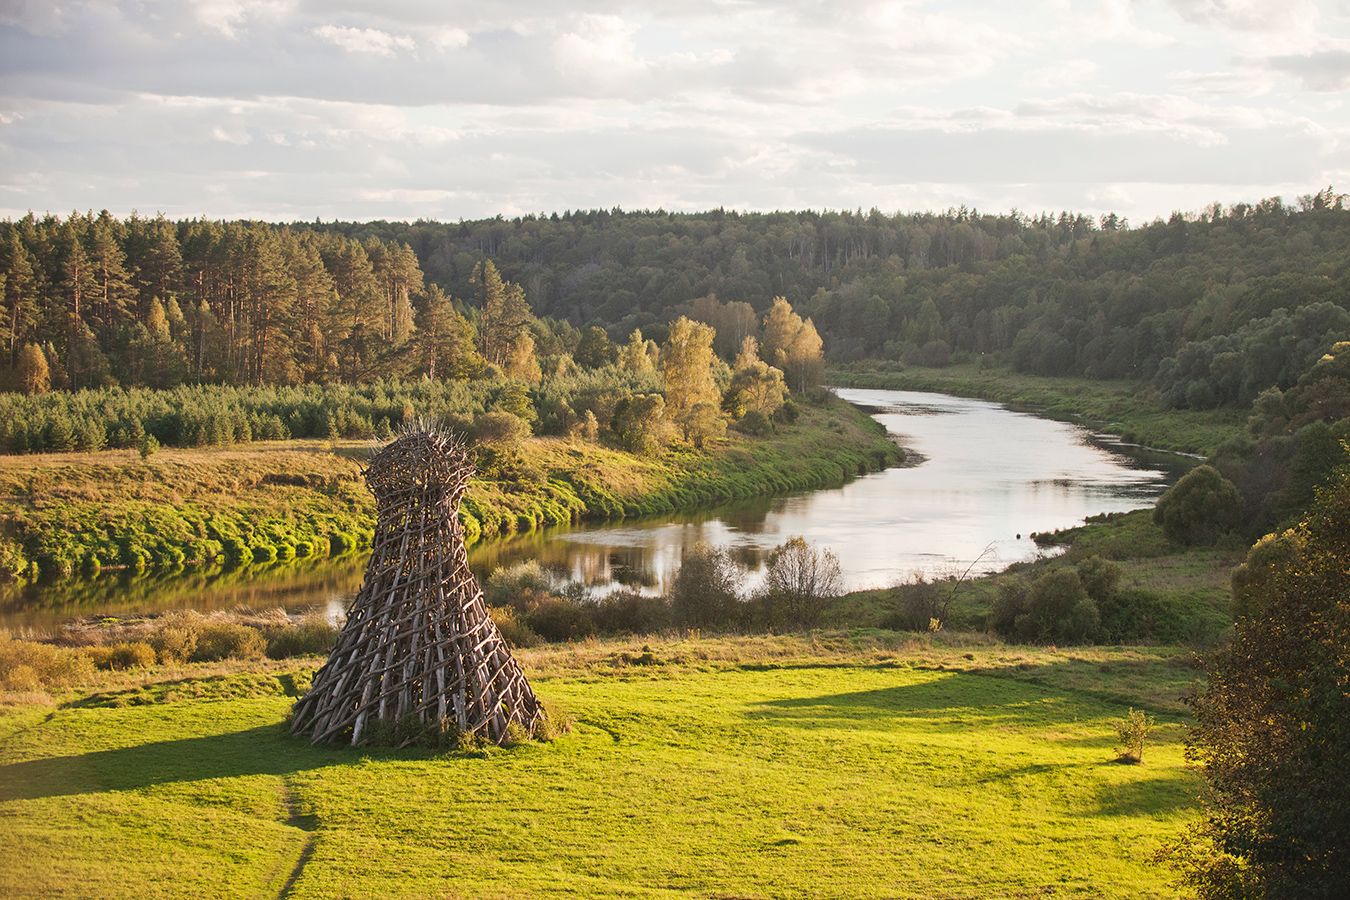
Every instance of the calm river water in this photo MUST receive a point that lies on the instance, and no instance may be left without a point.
(982, 476)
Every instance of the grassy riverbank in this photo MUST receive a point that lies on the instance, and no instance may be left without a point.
(72, 513)
(829, 765)
(1126, 408)
(1170, 594)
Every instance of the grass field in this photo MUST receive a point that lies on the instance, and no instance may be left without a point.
(863, 764)
(1126, 408)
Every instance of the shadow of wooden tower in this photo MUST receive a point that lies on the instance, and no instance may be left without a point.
(419, 650)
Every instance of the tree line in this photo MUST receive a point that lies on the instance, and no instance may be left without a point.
(1169, 300)
(1215, 306)
(495, 369)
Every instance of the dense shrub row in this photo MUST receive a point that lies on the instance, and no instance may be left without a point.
(203, 415)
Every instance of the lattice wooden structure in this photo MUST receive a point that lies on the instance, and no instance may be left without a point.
(418, 646)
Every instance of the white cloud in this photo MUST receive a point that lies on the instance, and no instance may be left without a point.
(1069, 73)
(365, 40)
(225, 16)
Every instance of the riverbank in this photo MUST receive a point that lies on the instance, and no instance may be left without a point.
(1126, 408)
(73, 514)
(843, 758)
(1175, 594)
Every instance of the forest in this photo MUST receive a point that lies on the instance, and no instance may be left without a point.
(1213, 306)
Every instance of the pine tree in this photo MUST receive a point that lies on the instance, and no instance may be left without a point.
(158, 262)
(113, 296)
(21, 301)
(505, 312)
(270, 302)
(595, 348)
(357, 308)
(444, 344)
(79, 284)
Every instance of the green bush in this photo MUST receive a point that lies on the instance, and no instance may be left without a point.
(1055, 608)
(227, 640)
(559, 619)
(1133, 731)
(175, 638)
(629, 612)
(754, 423)
(1199, 508)
(1100, 577)
(704, 592)
(507, 586)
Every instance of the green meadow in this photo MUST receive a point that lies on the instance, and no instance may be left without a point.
(863, 763)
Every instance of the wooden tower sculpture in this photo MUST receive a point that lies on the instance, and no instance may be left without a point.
(418, 645)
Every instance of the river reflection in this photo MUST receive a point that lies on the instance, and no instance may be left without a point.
(986, 476)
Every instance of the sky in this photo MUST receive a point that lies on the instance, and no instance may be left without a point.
(405, 109)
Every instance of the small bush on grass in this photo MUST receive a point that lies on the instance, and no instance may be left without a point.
(553, 724)
(309, 637)
(1199, 508)
(32, 666)
(917, 604)
(226, 640)
(515, 631)
(704, 592)
(1133, 731)
(1055, 608)
(559, 619)
(506, 586)
(125, 655)
(175, 638)
(798, 583)
(629, 612)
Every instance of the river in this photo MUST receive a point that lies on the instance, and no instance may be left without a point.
(981, 480)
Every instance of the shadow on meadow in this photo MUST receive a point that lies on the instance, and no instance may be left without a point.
(958, 697)
(1157, 794)
(265, 750)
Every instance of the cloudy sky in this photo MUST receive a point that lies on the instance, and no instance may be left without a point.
(292, 109)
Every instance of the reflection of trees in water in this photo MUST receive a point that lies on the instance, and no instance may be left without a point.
(293, 585)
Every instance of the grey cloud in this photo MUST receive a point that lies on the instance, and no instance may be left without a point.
(297, 108)
(1325, 70)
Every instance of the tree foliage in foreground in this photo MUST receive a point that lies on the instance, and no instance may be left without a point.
(1273, 727)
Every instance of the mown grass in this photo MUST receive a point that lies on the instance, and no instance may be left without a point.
(856, 764)
(1127, 408)
(70, 514)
